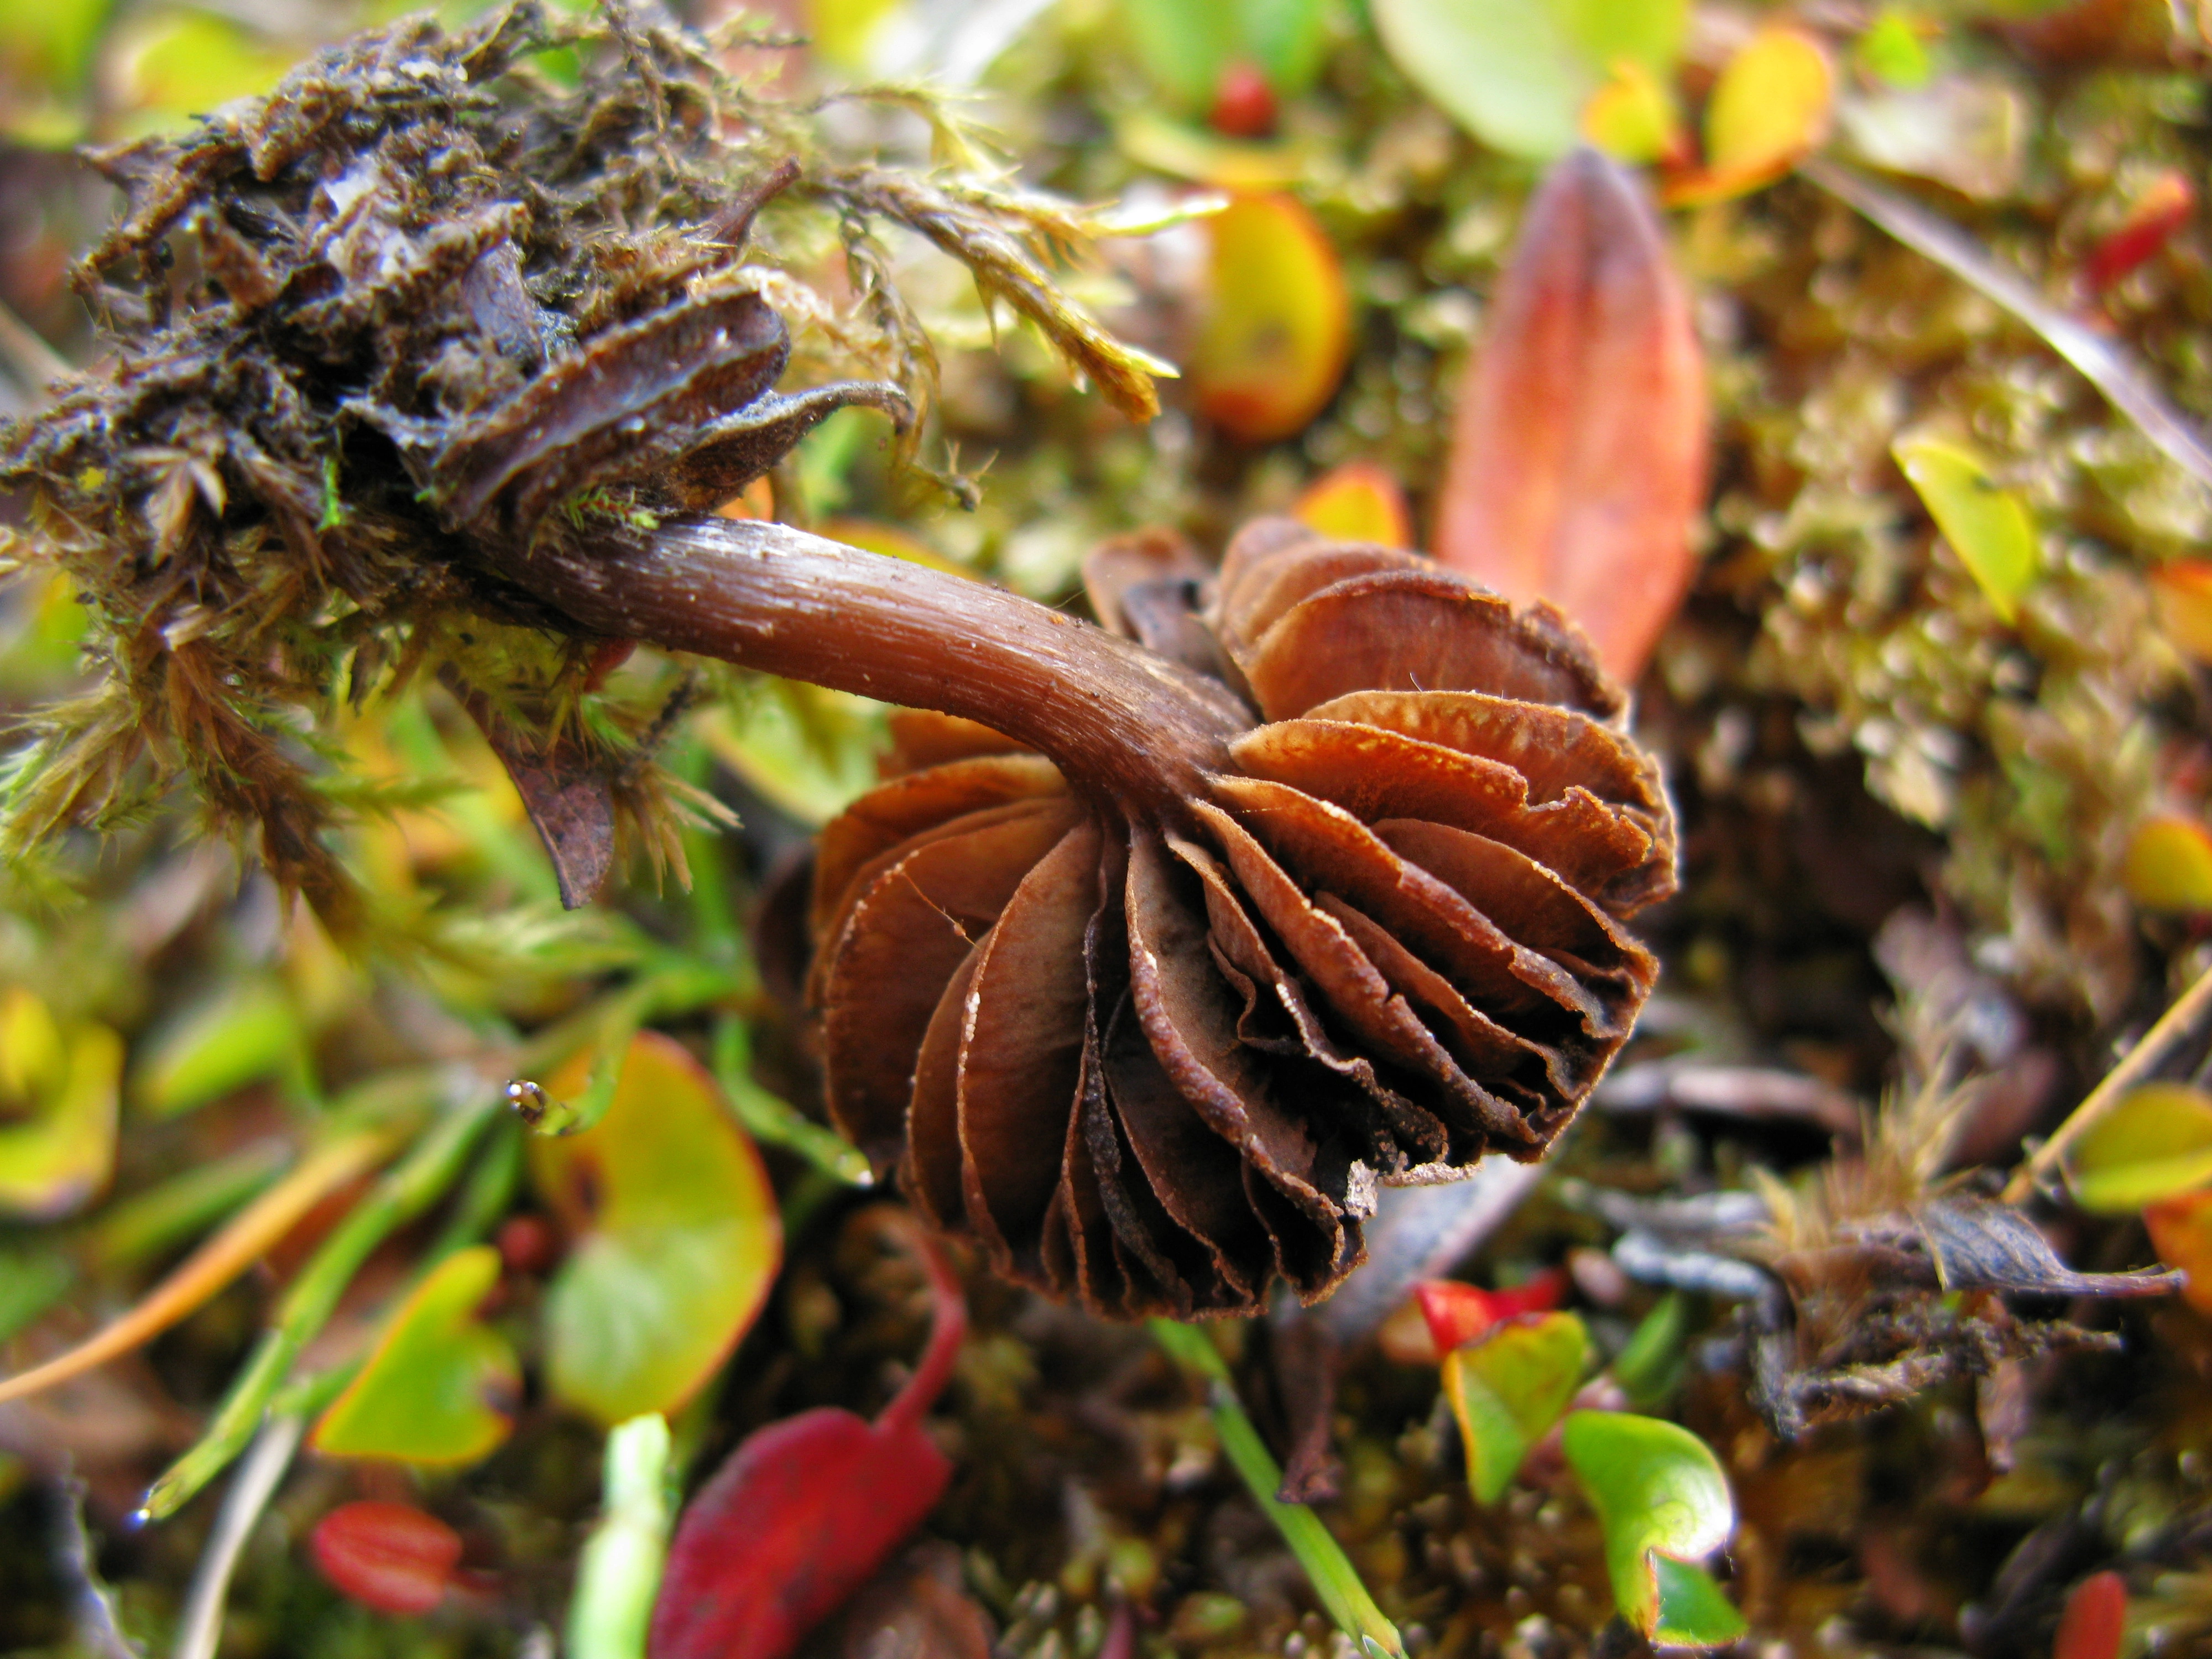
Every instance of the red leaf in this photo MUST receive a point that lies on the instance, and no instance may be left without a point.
(1458, 1314)
(2095, 1618)
(391, 1557)
(1578, 451)
(806, 1510)
(2162, 208)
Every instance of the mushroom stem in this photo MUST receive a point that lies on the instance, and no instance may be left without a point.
(1113, 716)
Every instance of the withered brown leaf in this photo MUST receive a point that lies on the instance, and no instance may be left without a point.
(1155, 1053)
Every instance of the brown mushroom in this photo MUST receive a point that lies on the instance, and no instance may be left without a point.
(1156, 1051)
(1167, 947)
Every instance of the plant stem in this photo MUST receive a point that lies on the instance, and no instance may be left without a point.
(1113, 716)
(769, 1117)
(1335, 1580)
(199, 1628)
(2138, 1063)
(215, 1263)
(404, 1193)
(619, 1573)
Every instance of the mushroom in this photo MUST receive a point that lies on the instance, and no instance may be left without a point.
(1160, 948)
(1166, 941)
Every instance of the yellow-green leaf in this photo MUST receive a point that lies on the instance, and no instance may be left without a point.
(1632, 117)
(676, 1233)
(2168, 865)
(1772, 103)
(1664, 1503)
(1988, 527)
(1508, 1388)
(58, 1090)
(1891, 49)
(2152, 1143)
(1277, 331)
(439, 1387)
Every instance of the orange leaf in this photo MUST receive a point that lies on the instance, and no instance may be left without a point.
(2181, 1233)
(2168, 865)
(1359, 502)
(1578, 453)
(2183, 590)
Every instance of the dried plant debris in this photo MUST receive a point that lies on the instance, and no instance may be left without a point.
(422, 301)
(1156, 1053)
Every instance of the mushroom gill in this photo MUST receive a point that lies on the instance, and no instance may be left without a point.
(1155, 1052)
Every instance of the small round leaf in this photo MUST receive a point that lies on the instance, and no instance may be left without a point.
(677, 1236)
(1278, 326)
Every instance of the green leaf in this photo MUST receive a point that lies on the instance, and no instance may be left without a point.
(1651, 1367)
(57, 1107)
(1516, 73)
(1988, 527)
(1664, 1504)
(1891, 50)
(1508, 1388)
(677, 1236)
(245, 1031)
(173, 65)
(439, 1387)
(1288, 38)
(1183, 47)
(2154, 1142)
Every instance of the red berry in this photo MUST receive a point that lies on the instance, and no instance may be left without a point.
(1243, 102)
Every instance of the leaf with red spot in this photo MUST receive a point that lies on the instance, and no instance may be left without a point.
(1578, 451)
(806, 1510)
(1458, 1314)
(390, 1557)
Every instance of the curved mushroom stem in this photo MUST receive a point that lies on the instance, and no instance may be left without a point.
(1113, 716)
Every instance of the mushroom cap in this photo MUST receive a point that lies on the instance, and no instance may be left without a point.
(1155, 1056)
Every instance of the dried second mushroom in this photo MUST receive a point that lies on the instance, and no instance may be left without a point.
(1156, 1048)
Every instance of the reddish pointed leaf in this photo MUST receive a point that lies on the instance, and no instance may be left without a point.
(391, 1557)
(2095, 1619)
(806, 1510)
(2162, 208)
(1457, 1314)
(1578, 451)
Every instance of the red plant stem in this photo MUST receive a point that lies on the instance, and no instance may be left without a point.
(948, 1327)
(1113, 716)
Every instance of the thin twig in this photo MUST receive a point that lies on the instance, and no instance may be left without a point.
(2106, 365)
(2138, 1063)
(199, 1632)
